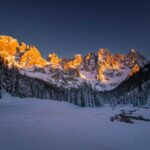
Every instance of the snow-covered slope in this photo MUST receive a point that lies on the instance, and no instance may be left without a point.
(33, 124)
(103, 70)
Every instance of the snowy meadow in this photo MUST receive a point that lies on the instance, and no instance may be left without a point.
(34, 124)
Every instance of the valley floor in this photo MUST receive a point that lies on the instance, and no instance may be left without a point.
(33, 124)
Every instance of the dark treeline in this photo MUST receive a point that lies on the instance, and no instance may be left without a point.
(131, 90)
(134, 90)
(23, 86)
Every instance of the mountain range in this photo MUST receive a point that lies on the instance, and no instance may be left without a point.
(99, 71)
(103, 70)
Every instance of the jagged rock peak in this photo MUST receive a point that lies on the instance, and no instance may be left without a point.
(7, 39)
(133, 53)
(22, 47)
(133, 50)
(53, 59)
(19, 53)
(74, 62)
(103, 51)
(8, 45)
(32, 57)
(135, 57)
(90, 55)
(77, 56)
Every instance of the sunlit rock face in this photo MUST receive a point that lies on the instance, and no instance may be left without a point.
(109, 61)
(19, 54)
(104, 58)
(54, 60)
(103, 70)
(22, 47)
(8, 45)
(31, 57)
(106, 61)
(73, 63)
(134, 69)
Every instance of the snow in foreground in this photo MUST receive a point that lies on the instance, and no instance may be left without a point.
(32, 124)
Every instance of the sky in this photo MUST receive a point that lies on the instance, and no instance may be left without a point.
(68, 27)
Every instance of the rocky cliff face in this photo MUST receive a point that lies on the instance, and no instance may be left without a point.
(73, 63)
(54, 60)
(103, 70)
(8, 46)
(31, 57)
(19, 54)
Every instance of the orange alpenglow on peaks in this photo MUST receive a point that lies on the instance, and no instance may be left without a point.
(53, 59)
(19, 53)
(99, 67)
(73, 63)
(8, 45)
(134, 69)
(32, 57)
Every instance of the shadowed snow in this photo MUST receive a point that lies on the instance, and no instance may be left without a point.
(33, 124)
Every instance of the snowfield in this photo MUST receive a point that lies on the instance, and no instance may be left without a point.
(34, 124)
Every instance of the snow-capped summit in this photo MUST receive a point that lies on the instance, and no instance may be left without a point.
(135, 57)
